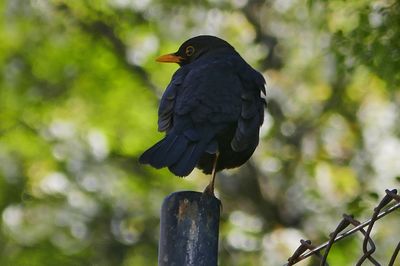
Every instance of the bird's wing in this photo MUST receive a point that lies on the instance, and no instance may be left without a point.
(166, 108)
(252, 107)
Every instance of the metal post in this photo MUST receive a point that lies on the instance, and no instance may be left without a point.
(189, 230)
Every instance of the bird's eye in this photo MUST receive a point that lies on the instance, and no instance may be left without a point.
(189, 50)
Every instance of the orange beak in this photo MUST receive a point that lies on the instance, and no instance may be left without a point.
(169, 58)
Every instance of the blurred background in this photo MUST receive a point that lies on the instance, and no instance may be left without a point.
(79, 92)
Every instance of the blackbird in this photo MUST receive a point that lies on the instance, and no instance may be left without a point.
(211, 111)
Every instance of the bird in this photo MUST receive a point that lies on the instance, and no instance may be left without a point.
(211, 111)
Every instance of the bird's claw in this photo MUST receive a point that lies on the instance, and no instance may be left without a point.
(209, 190)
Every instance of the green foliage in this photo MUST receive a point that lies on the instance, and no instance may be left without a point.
(79, 91)
(373, 40)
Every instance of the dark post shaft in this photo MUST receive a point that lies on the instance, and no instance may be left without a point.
(189, 230)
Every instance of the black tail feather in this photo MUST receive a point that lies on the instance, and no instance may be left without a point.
(147, 156)
(162, 153)
(189, 159)
(165, 152)
(176, 152)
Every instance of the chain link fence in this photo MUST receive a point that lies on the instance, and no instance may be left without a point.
(389, 203)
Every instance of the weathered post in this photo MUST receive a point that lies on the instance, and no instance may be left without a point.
(189, 230)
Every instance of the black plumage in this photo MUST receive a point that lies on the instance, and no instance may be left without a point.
(213, 105)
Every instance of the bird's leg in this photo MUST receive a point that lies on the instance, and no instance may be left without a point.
(210, 188)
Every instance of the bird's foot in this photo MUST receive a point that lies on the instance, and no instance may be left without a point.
(209, 190)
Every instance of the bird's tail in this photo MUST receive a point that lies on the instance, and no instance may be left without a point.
(177, 152)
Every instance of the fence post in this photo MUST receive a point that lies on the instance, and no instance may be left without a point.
(189, 230)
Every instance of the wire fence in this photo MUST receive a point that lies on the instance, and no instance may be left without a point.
(389, 203)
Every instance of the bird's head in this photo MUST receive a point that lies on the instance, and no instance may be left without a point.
(194, 48)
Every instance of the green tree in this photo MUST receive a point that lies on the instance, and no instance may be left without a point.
(79, 90)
